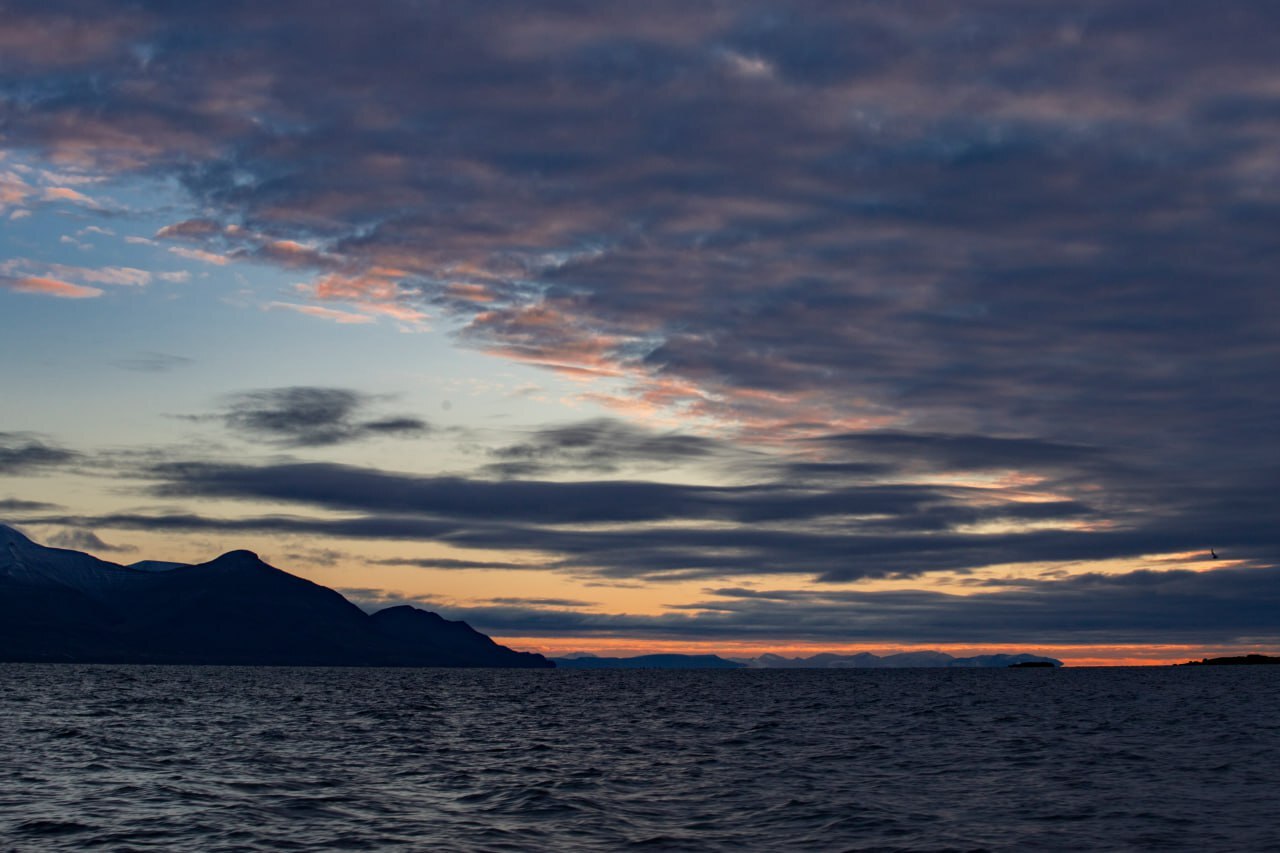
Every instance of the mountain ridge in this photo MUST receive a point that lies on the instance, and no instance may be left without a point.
(825, 660)
(901, 660)
(62, 605)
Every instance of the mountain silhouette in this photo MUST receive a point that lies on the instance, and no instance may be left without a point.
(825, 660)
(63, 605)
(659, 661)
(901, 660)
(1238, 660)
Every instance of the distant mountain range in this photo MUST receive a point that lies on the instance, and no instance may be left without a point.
(862, 660)
(63, 605)
(901, 660)
(648, 662)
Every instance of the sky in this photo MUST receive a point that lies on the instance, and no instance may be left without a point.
(693, 326)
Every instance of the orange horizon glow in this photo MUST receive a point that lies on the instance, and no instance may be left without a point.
(1070, 655)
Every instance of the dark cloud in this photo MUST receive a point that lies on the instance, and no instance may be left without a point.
(311, 417)
(190, 229)
(1224, 606)
(601, 446)
(449, 564)
(991, 244)
(17, 505)
(938, 452)
(1048, 223)
(318, 557)
(25, 453)
(79, 539)
(371, 600)
(152, 362)
(834, 530)
(343, 487)
(541, 602)
(415, 529)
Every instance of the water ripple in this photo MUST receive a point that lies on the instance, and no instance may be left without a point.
(207, 758)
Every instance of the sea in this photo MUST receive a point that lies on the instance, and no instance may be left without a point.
(231, 759)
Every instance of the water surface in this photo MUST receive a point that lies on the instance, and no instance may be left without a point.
(214, 758)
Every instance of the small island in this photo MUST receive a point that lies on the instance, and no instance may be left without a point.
(1242, 660)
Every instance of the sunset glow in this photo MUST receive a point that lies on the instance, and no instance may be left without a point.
(661, 327)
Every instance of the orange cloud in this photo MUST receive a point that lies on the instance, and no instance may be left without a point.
(50, 287)
(356, 288)
(376, 291)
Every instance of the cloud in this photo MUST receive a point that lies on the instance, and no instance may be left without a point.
(17, 505)
(581, 545)
(834, 530)
(311, 417)
(44, 286)
(929, 503)
(999, 281)
(152, 362)
(68, 194)
(86, 540)
(42, 37)
(342, 317)
(372, 600)
(189, 229)
(52, 278)
(1218, 607)
(1000, 220)
(24, 453)
(601, 445)
(200, 255)
(951, 452)
(352, 488)
(117, 276)
(541, 602)
(14, 191)
(463, 565)
(318, 556)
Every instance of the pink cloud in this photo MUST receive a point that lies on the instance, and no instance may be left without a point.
(68, 194)
(189, 229)
(13, 190)
(19, 268)
(343, 317)
(50, 287)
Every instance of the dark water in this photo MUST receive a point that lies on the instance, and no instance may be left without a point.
(173, 758)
